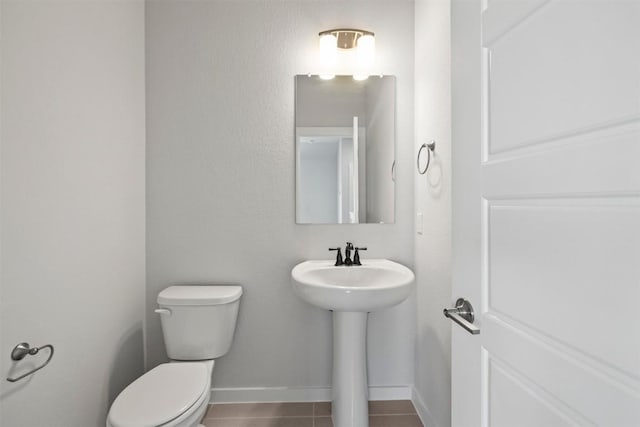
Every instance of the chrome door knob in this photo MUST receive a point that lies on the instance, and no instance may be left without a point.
(462, 314)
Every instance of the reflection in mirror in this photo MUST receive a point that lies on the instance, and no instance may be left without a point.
(345, 150)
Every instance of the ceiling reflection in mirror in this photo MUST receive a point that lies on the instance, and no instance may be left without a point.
(345, 150)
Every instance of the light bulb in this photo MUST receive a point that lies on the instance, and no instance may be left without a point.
(365, 53)
(366, 47)
(328, 49)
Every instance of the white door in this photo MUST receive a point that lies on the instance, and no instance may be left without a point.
(546, 202)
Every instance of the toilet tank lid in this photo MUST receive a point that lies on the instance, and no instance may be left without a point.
(199, 295)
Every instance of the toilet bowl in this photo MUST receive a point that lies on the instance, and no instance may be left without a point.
(169, 395)
(198, 323)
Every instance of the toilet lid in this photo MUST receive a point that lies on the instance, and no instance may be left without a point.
(160, 395)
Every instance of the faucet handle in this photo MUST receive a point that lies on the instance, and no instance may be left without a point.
(339, 261)
(356, 256)
(349, 245)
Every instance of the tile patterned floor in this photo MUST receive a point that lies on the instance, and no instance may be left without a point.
(387, 413)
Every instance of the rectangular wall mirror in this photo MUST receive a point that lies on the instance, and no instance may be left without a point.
(345, 150)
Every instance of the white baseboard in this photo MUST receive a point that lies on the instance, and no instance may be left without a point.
(270, 394)
(301, 394)
(422, 410)
(399, 392)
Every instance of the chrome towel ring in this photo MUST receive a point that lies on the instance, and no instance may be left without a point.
(431, 148)
(23, 349)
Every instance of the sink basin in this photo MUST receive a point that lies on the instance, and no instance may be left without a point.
(374, 285)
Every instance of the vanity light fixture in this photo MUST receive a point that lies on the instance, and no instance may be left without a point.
(361, 42)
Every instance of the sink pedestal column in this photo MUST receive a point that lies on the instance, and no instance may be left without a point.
(350, 392)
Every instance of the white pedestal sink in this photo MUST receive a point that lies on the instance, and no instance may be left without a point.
(351, 292)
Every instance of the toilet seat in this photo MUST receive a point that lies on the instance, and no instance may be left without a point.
(168, 392)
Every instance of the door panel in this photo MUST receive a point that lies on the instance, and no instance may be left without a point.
(541, 63)
(546, 199)
(601, 162)
(591, 390)
(564, 267)
(516, 401)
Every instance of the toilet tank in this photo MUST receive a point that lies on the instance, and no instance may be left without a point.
(198, 322)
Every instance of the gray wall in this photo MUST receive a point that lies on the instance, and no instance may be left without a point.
(433, 200)
(220, 192)
(72, 206)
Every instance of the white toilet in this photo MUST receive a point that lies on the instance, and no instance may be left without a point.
(198, 324)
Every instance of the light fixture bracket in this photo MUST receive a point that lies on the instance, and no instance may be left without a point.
(347, 37)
